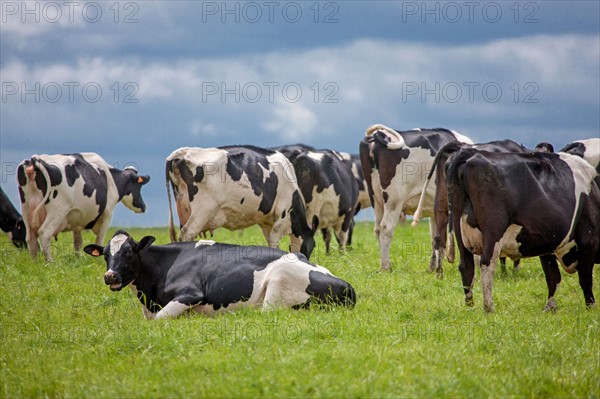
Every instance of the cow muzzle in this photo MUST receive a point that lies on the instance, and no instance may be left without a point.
(113, 280)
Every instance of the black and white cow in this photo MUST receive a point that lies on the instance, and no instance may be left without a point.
(524, 205)
(440, 202)
(395, 165)
(11, 221)
(73, 192)
(204, 277)
(237, 187)
(329, 189)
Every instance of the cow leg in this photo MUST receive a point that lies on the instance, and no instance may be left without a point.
(275, 233)
(437, 255)
(327, 238)
(584, 269)
(489, 259)
(32, 243)
(450, 251)
(390, 219)
(517, 265)
(101, 227)
(178, 306)
(51, 224)
(552, 274)
(343, 231)
(378, 211)
(503, 264)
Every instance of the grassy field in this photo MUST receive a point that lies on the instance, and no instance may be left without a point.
(65, 334)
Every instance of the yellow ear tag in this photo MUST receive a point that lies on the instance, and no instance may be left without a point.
(140, 179)
(95, 252)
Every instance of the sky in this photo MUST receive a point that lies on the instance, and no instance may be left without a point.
(135, 80)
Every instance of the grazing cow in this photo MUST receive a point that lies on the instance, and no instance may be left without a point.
(524, 205)
(170, 280)
(237, 187)
(11, 221)
(440, 202)
(395, 165)
(73, 193)
(329, 189)
(588, 150)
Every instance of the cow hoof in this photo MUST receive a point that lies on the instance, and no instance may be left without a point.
(386, 269)
(550, 306)
(488, 308)
(469, 302)
(440, 274)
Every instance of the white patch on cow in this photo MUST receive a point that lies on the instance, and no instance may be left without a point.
(344, 156)
(116, 243)
(583, 176)
(325, 205)
(462, 138)
(317, 156)
(200, 243)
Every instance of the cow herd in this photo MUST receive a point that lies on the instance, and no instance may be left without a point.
(497, 199)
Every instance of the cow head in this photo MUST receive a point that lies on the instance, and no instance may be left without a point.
(129, 184)
(18, 234)
(122, 258)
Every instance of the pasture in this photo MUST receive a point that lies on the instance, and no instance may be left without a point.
(65, 334)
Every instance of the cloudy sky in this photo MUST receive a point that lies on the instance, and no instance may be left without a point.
(134, 80)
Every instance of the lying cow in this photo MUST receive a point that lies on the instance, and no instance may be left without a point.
(204, 277)
(237, 187)
(329, 189)
(395, 165)
(524, 205)
(73, 193)
(440, 202)
(11, 221)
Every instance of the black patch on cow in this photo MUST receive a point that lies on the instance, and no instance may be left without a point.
(188, 177)
(574, 149)
(242, 201)
(283, 214)
(55, 193)
(21, 178)
(40, 181)
(385, 196)
(269, 192)
(54, 172)
(199, 174)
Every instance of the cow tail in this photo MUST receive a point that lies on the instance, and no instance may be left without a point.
(46, 176)
(455, 191)
(385, 136)
(172, 232)
(443, 153)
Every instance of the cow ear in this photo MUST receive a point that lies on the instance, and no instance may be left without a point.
(142, 179)
(145, 243)
(93, 250)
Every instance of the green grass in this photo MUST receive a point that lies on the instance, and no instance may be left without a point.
(65, 334)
